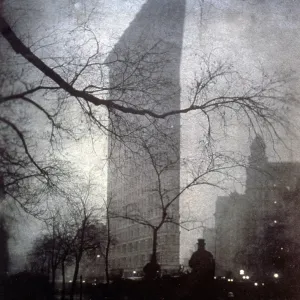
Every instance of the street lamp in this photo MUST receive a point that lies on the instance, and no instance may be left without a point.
(242, 272)
(98, 255)
(276, 275)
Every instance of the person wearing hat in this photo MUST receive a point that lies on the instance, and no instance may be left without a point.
(202, 264)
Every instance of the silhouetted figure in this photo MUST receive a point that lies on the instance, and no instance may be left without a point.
(203, 268)
(152, 269)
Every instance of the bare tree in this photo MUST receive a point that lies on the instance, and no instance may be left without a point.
(39, 261)
(109, 240)
(84, 225)
(81, 80)
(211, 169)
(45, 256)
(52, 250)
(74, 230)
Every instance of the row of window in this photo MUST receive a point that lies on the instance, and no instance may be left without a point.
(138, 231)
(145, 244)
(140, 184)
(137, 261)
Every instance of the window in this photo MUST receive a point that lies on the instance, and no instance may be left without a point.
(173, 239)
(158, 255)
(123, 262)
(129, 262)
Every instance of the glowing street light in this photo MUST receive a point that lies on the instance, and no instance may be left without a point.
(276, 275)
(275, 221)
(98, 255)
(242, 272)
(247, 277)
(244, 277)
(255, 283)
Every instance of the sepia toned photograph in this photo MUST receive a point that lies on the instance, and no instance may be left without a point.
(149, 149)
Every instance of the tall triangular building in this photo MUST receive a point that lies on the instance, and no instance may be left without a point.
(144, 72)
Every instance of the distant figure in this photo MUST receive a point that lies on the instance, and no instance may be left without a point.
(152, 269)
(202, 264)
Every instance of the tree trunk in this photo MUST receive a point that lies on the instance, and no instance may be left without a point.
(80, 295)
(63, 290)
(154, 246)
(107, 250)
(48, 268)
(75, 275)
(53, 277)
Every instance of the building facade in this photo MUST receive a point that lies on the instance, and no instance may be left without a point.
(258, 231)
(144, 152)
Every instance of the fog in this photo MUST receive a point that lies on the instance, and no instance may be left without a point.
(250, 34)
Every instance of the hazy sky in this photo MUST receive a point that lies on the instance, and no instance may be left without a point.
(248, 33)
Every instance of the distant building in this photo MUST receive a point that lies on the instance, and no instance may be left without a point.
(145, 72)
(209, 235)
(258, 231)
